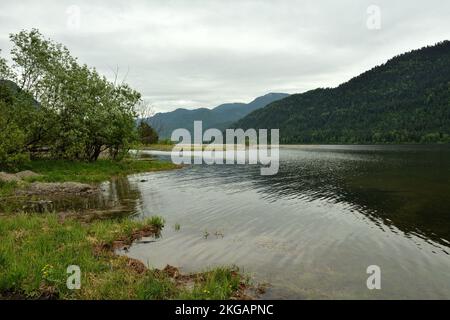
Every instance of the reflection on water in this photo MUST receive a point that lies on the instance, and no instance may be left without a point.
(117, 197)
(312, 230)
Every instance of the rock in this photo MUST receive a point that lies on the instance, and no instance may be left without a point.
(27, 174)
(8, 177)
(40, 206)
(67, 188)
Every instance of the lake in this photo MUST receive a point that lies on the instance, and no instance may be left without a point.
(312, 230)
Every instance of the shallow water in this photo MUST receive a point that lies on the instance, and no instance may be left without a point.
(116, 198)
(312, 230)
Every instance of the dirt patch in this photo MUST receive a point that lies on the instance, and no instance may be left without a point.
(46, 293)
(136, 265)
(65, 188)
(171, 271)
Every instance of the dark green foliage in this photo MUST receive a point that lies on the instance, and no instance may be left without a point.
(17, 125)
(406, 100)
(147, 135)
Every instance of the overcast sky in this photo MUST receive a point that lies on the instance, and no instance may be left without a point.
(203, 53)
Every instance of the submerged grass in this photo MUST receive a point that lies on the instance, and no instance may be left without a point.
(35, 251)
(157, 222)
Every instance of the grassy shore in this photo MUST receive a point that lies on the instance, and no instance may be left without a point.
(35, 251)
(101, 170)
(85, 172)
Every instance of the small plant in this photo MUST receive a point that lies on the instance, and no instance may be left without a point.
(177, 227)
(156, 221)
(7, 188)
(219, 283)
(218, 234)
(49, 274)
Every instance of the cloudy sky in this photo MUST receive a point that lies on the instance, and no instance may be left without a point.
(196, 53)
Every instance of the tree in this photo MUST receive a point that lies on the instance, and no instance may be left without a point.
(5, 71)
(147, 135)
(80, 113)
(18, 118)
(12, 142)
(144, 110)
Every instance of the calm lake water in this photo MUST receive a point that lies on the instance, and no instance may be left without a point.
(312, 230)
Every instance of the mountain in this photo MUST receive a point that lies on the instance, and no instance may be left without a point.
(220, 117)
(405, 100)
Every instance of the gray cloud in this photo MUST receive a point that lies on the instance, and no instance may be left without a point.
(203, 53)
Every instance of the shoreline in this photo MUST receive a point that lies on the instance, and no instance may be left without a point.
(24, 236)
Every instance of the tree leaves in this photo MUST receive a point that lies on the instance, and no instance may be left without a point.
(80, 112)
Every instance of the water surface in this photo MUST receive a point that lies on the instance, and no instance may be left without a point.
(312, 230)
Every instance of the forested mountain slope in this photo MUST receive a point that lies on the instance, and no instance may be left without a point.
(406, 100)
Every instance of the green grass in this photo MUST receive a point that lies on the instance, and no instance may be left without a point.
(93, 172)
(35, 251)
(157, 222)
(218, 284)
(6, 188)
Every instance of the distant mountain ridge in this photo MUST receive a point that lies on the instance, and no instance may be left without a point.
(405, 100)
(220, 117)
